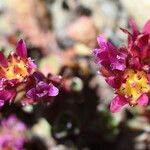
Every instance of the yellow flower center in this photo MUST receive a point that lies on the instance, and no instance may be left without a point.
(136, 84)
(16, 70)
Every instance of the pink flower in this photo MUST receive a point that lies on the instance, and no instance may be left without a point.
(12, 135)
(14, 71)
(17, 67)
(40, 88)
(127, 69)
(18, 77)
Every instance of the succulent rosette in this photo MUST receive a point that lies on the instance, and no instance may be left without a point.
(127, 69)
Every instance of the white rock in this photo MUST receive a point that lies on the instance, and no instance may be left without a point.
(139, 10)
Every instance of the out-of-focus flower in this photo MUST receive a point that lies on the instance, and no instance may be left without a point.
(127, 69)
(84, 35)
(12, 135)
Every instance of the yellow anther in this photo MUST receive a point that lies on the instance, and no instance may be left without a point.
(16, 70)
(136, 84)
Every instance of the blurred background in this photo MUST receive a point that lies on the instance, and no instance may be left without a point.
(60, 36)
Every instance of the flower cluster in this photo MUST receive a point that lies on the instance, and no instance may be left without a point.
(12, 135)
(18, 79)
(127, 69)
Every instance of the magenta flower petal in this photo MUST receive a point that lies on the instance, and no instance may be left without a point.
(100, 55)
(20, 126)
(53, 91)
(109, 56)
(148, 77)
(1, 103)
(31, 65)
(1, 83)
(146, 28)
(117, 103)
(42, 89)
(135, 63)
(134, 27)
(42, 85)
(143, 45)
(21, 49)
(113, 81)
(130, 38)
(3, 61)
(7, 95)
(102, 42)
(42, 94)
(143, 100)
(38, 76)
(31, 93)
(118, 66)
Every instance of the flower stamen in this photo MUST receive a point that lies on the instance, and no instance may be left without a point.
(16, 69)
(136, 84)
